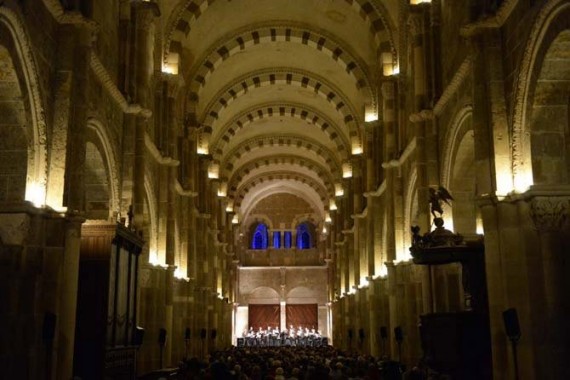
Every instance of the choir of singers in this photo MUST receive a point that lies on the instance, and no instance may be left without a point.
(272, 337)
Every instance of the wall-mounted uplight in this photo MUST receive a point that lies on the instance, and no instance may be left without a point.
(214, 170)
(389, 67)
(346, 170)
(328, 218)
(223, 189)
(370, 113)
(356, 145)
(332, 205)
(338, 190)
(235, 219)
(230, 206)
(170, 64)
(416, 2)
(179, 274)
(36, 193)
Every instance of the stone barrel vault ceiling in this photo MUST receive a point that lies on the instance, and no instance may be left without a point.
(278, 88)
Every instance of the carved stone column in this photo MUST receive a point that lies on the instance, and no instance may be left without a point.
(77, 47)
(145, 13)
(550, 215)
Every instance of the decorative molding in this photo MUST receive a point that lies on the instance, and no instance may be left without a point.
(104, 79)
(378, 192)
(520, 139)
(37, 152)
(549, 213)
(110, 155)
(492, 22)
(452, 138)
(183, 192)
(403, 157)
(155, 153)
(421, 116)
(457, 81)
(55, 8)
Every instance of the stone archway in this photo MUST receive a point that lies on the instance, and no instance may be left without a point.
(27, 112)
(549, 118)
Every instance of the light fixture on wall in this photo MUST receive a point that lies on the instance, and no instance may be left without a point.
(370, 113)
(416, 2)
(332, 205)
(223, 189)
(170, 64)
(230, 206)
(346, 170)
(235, 219)
(214, 170)
(389, 67)
(356, 146)
(338, 190)
(36, 193)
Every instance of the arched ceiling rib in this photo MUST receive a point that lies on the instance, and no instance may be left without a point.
(279, 111)
(277, 32)
(339, 16)
(281, 163)
(245, 187)
(279, 88)
(278, 186)
(280, 76)
(287, 143)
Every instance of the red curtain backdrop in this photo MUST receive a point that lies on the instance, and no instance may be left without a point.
(305, 315)
(264, 316)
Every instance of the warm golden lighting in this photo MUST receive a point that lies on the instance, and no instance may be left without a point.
(170, 65)
(36, 193)
(370, 113)
(402, 255)
(363, 283)
(338, 190)
(332, 205)
(214, 170)
(479, 225)
(346, 170)
(416, 2)
(223, 189)
(235, 219)
(523, 181)
(154, 259)
(328, 218)
(230, 206)
(180, 274)
(356, 146)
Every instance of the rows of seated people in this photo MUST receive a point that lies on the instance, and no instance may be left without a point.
(298, 363)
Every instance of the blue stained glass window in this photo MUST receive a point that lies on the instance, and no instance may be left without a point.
(304, 240)
(259, 238)
(276, 239)
(287, 239)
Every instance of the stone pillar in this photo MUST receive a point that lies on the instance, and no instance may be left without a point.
(145, 13)
(68, 299)
(77, 43)
(550, 217)
(417, 29)
(394, 321)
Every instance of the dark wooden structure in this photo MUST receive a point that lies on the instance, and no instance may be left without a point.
(107, 302)
(456, 343)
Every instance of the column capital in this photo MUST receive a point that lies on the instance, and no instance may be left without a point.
(549, 213)
(416, 23)
(145, 13)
